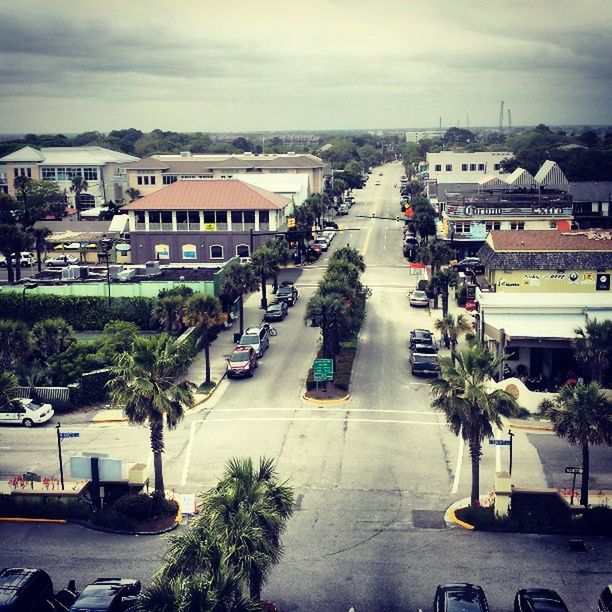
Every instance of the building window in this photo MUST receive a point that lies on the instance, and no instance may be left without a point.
(242, 250)
(139, 180)
(189, 251)
(249, 219)
(221, 220)
(168, 180)
(152, 180)
(517, 225)
(462, 228)
(449, 167)
(493, 225)
(438, 168)
(162, 251)
(90, 174)
(87, 201)
(472, 167)
(495, 166)
(264, 220)
(464, 167)
(481, 167)
(48, 174)
(139, 216)
(237, 220)
(216, 251)
(553, 225)
(166, 220)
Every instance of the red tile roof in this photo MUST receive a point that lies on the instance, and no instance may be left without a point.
(551, 240)
(210, 194)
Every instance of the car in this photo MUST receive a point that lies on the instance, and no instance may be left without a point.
(604, 603)
(460, 597)
(330, 225)
(421, 336)
(26, 259)
(62, 260)
(425, 349)
(287, 293)
(276, 311)
(108, 594)
(419, 299)
(322, 242)
(242, 362)
(25, 589)
(257, 337)
(423, 364)
(343, 209)
(329, 233)
(538, 600)
(26, 412)
(469, 264)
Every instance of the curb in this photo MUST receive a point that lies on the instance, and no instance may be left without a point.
(451, 517)
(530, 427)
(198, 405)
(311, 400)
(101, 529)
(18, 519)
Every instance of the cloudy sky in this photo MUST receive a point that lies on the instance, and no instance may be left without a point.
(68, 66)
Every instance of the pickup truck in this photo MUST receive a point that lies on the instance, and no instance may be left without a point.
(26, 259)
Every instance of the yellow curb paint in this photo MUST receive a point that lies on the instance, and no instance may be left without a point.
(454, 519)
(326, 402)
(16, 519)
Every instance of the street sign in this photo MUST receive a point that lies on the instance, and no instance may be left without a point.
(573, 470)
(323, 369)
(69, 434)
(500, 442)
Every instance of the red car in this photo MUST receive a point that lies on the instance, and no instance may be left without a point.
(242, 362)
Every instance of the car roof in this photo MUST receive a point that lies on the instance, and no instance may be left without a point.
(545, 599)
(242, 349)
(96, 596)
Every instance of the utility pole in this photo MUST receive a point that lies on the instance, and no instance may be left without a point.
(509, 120)
(501, 116)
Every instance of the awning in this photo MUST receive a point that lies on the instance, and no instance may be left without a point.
(540, 325)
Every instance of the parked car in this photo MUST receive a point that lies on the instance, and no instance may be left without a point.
(287, 293)
(62, 260)
(322, 242)
(419, 299)
(423, 364)
(343, 209)
(242, 362)
(276, 311)
(604, 604)
(330, 225)
(421, 336)
(108, 594)
(329, 233)
(257, 337)
(469, 264)
(25, 590)
(538, 600)
(461, 597)
(26, 259)
(26, 412)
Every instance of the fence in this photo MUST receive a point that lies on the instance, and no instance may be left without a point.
(61, 395)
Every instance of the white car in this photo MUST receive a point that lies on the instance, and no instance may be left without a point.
(27, 413)
(419, 298)
(323, 242)
(329, 234)
(62, 260)
(26, 259)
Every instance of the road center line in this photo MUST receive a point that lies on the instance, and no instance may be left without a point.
(324, 420)
(188, 453)
(458, 466)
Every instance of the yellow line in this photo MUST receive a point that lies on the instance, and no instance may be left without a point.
(454, 519)
(367, 241)
(16, 519)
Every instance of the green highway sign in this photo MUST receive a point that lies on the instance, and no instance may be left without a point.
(323, 369)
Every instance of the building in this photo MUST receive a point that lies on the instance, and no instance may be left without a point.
(153, 173)
(3, 179)
(592, 203)
(561, 262)
(99, 167)
(294, 186)
(204, 221)
(416, 136)
(462, 167)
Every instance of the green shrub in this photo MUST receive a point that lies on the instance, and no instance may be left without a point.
(544, 406)
(43, 507)
(461, 295)
(141, 507)
(597, 521)
(111, 519)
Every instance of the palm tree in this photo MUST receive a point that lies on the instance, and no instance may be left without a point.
(281, 251)
(40, 234)
(452, 328)
(51, 337)
(204, 312)
(249, 510)
(471, 410)
(143, 384)
(265, 265)
(583, 416)
(14, 343)
(168, 309)
(445, 278)
(132, 193)
(349, 255)
(593, 348)
(9, 390)
(236, 280)
(7, 248)
(331, 313)
(78, 186)
(434, 254)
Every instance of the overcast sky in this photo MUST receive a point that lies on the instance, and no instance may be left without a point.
(68, 66)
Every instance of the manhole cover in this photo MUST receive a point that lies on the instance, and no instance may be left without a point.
(428, 519)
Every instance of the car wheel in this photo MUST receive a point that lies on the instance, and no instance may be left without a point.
(413, 372)
(250, 373)
(28, 422)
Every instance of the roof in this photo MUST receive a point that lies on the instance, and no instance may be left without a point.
(81, 156)
(78, 231)
(209, 194)
(521, 177)
(541, 302)
(551, 241)
(550, 174)
(591, 191)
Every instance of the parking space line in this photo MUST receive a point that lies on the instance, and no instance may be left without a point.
(188, 453)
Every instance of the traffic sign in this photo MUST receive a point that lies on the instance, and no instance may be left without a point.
(69, 434)
(573, 470)
(323, 369)
(500, 442)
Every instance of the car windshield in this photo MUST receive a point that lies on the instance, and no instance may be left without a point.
(246, 340)
(463, 602)
(240, 356)
(425, 349)
(419, 294)
(285, 290)
(274, 307)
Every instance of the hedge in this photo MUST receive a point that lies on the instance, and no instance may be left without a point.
(82, 312)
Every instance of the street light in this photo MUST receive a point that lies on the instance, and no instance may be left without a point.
(26, 286)
(106, 244)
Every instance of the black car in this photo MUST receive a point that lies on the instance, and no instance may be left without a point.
(423, 364)
(605, 600)
(108, 594)
(25, 590)
(469, 264)
(287, 293)
(538, 600)
(461, 597)
(421, 336)
(276, 311)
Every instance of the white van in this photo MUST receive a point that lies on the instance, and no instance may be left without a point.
(27, 413)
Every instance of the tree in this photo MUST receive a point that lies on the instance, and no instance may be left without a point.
(143, 384)
(78, 186)
(282, 254)
(452, 328)
(14, 343)
(593, 349)
(51, 337)
(9, 391)
(330, 313)
(204, 312)
(236, 280)
(7, 248)
(168, 308)
(434, 254)
(39, 236)
(445, 278)
(132, 193)
(349, 255)
(471, 410)
(265, 265)
(583, 416)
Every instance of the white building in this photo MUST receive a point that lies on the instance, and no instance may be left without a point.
(417, 136)
(98, 166)
(295, 187)
(460, 167)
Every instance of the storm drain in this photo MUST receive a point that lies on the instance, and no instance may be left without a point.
(428, 519)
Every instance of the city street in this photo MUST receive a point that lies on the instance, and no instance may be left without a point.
(373, 476)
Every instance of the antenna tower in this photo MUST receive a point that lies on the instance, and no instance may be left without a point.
(467, 122)
(509, 119)
(501, 116)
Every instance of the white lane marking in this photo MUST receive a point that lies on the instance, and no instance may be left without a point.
(325, 420)
(323, 409)
(458, 466)
(188, 453)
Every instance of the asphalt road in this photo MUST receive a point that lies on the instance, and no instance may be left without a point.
(372, 476)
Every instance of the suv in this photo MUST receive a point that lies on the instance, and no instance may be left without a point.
(258, 338)
(109, 594)
(421, 336)
(287, 293)
(469, 264)
(458, 597)
(25, 590)
(242, 362)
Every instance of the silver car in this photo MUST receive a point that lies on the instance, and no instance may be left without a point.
(419, 299)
